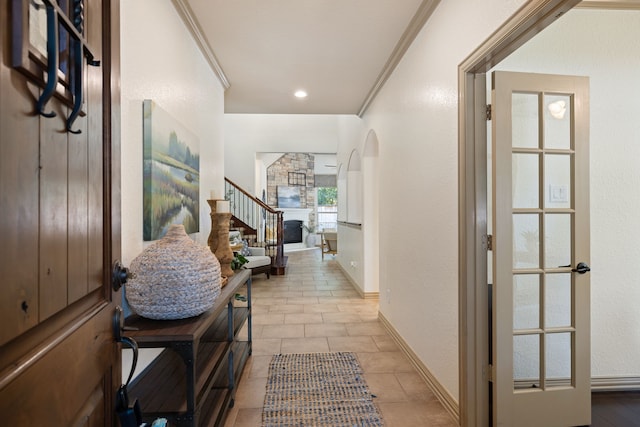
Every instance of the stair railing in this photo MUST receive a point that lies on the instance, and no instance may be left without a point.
(260, 220)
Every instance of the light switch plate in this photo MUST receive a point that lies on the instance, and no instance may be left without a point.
(558, 193)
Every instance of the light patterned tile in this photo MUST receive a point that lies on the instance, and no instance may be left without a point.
(384, 362)
(341, 317)
(282, 331)
(250, 393)
(303, 300)
(414, 386)
(305, 345)
(345, 293)
(262, 346)
(354, 344)
(321, 308)
(385, 343)
(317, 293)
(334, 300)
(372, 317)
(259, 309)
(286, 308)
(314, 282)
(325, 330)
(288, 294)
(360, 307)
(415, 414)
(268, 319)
(258, 301)
(259, 366)
(303, 318)
(365, 328)
(386, 388)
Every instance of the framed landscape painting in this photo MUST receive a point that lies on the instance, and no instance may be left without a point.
(171, 174)
(289, 197)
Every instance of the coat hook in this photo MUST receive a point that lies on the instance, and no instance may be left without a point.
(52, 62)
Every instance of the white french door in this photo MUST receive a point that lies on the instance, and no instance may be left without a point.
(540, 318)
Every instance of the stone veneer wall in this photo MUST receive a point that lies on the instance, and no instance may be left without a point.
(278, 174)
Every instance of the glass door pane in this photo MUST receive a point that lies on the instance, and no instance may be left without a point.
(525, 123)
(557, 121)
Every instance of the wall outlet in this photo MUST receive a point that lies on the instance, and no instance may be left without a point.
(353, 264)
(388, 296)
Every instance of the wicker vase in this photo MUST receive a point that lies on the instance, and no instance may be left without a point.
(174, 278)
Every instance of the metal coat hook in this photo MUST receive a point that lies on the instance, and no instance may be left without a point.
(76, 73)
(52, 63)
(78, 62)
(79, 50)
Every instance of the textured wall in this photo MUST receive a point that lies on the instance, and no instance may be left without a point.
(160, 61)
(415, 118)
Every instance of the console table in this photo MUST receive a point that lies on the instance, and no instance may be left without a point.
(193, 381)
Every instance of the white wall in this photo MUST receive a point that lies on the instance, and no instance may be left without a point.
(248, 134)
(415, 118)
(160, 61)
(604, 45)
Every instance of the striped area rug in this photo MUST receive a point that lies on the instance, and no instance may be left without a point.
(318, 389)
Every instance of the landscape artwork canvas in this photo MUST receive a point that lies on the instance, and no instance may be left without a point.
(288, 197)
(171, 174)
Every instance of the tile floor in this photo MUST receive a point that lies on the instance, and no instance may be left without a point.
(313, 308)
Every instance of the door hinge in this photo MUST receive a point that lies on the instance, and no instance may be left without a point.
(488, 373)
(488, 112)
(489, 242)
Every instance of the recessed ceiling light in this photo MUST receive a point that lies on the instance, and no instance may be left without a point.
(300, 94)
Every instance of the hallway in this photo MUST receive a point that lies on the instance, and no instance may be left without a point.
(313, 308)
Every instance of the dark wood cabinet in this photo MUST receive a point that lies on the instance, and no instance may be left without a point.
(193, 381)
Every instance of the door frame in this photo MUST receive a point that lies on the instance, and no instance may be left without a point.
(473, 324)
(532, 18)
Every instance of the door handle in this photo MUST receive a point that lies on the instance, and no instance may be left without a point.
(581, 268)
(119, 275)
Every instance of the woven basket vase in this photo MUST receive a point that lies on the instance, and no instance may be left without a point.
(174, 278)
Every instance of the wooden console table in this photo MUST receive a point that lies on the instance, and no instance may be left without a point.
(193, 381)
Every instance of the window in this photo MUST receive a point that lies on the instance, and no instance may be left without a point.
(297, 178)
(327, 207)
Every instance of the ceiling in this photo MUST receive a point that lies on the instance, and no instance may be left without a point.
(339, 51)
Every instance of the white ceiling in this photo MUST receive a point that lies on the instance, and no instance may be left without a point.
(339, 51)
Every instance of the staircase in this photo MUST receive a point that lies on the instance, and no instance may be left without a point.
(259, 223)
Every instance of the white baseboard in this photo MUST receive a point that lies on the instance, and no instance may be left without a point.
(363, 295)
(615, 383)
(597, 383)
(446, 399)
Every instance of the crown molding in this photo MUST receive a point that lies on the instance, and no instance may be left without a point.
(192, 25)
(610, 4)
(421, 16)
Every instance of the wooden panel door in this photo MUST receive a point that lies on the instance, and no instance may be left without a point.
(59, 215)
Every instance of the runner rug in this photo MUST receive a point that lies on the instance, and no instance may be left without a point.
(318, 389)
